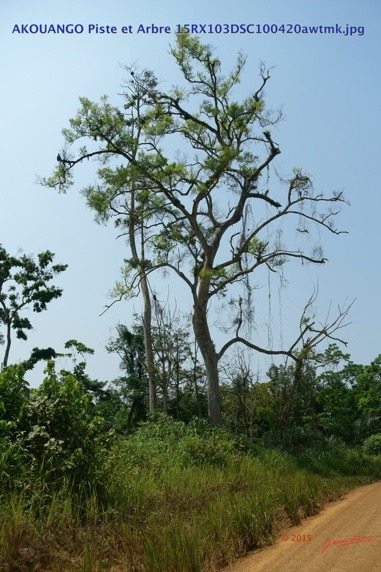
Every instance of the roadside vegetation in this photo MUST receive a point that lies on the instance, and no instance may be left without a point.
(79, 492)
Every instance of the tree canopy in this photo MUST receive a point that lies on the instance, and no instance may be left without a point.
(183, 175)
(25, 281)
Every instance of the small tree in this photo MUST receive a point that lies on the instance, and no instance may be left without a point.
(173, 354)
(133, 385)
(196, 204)
(239, 394)
(23, 282)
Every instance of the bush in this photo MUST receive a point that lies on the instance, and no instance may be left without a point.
(372, 445)
(198, 450)
(59, 430)
(293, 439)
(50, 434)
(164, 442)
(14, 392)
(336, 458)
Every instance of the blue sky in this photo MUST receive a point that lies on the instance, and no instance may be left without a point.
(329, 89)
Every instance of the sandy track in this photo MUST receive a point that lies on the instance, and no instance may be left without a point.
(355, 521)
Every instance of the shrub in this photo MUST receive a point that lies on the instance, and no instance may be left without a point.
(372, 445)
(49, 434)
(13, 395)
(198, 450)
(293, 438)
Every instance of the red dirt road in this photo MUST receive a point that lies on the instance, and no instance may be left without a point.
(344, 537)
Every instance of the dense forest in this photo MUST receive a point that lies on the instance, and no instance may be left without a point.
(192, 456)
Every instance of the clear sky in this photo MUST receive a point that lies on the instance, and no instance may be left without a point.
(328, 85)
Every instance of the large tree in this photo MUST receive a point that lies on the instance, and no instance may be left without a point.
(188, 168)
(24, 282)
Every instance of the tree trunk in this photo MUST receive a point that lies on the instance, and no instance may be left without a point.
(195, 380)
(8, 345)
(147, 322)
(177, 380)
(133, 227)
(209, 354)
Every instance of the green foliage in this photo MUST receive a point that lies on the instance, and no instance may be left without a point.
(176, 496)
(296, 409)
(368, 394)
(340, 414)
(197, 450)
(372, 445)
(178, 375)
(163, 442)
(50, 434)
(334, 458)
(132, 387)
(78, 347)
(293, 439)
(60, 432)
(350, 399)
(257, 247)
(38, 354)
(25, 281)
(14, 390)
(294, 390)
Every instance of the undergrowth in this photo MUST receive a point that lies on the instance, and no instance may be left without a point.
(174, 498)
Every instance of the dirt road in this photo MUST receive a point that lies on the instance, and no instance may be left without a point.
(344, 537)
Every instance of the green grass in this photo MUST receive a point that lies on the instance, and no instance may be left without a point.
(176, 502)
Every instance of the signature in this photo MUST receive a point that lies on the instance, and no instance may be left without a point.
(344, 542)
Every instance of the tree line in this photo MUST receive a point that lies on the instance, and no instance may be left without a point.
(68, 423)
